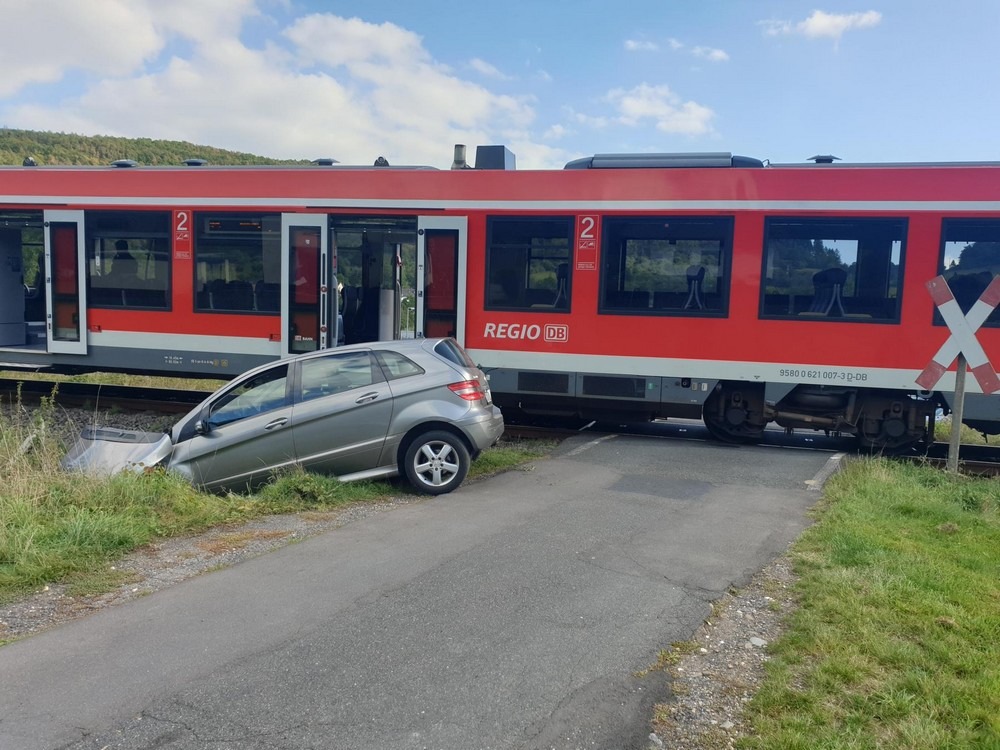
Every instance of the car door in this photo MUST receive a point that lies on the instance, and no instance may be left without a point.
(342, 411)
(243, 435)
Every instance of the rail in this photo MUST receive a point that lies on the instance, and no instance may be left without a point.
(101, 396)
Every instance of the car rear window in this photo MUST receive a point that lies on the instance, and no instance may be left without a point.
(451, 351)
(396, 366)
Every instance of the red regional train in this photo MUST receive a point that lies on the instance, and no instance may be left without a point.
(624, 286)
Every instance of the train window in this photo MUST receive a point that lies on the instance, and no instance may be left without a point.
(528, 264)
(970, 258)
(237, 263)
(666, 265)
(128, 259)
(832, 269)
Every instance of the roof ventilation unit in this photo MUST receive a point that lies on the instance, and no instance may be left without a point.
(663, 161)
(325, 161)
(195, 162)
(824, 158)
(124, 164)
(494, 157)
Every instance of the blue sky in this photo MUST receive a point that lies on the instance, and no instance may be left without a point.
(554, 80)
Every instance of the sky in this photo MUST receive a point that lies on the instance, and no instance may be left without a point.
(553, 80)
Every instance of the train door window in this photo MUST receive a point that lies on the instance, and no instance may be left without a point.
(376, 275)
(970, 259)
(528, 264)
(128, 259)
(305, 316)
(238, 263)
(832, 269)
(666, 265)
(22, 280)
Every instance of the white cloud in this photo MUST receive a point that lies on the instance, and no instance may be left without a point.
(708, 53)
(636, 45)
(490, 71)
(675, 44)
(337, 87)
(555, 132)
(106, 37)
(822, 24)
(663, 107)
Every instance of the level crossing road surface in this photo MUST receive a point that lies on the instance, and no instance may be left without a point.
(515, 612)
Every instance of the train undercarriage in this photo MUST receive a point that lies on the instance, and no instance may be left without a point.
(881, 420)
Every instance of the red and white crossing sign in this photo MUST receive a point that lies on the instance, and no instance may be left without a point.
(963, 335)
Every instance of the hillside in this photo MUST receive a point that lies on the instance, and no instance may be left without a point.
(69, 149)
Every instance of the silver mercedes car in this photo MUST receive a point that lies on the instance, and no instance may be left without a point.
(418, 408)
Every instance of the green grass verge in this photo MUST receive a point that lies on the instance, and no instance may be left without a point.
(896, 642)
(56, 526)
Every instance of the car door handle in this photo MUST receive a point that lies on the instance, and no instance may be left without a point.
(366, 398)
(279, 422)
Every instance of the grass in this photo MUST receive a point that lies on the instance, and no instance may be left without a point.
(56, 526)
(896, 642)
(967, 436)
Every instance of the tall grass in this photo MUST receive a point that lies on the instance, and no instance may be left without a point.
(55, 525)
(896, 643)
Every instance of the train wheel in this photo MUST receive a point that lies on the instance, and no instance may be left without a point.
(889, 444)
(732, 414)
(885, 427)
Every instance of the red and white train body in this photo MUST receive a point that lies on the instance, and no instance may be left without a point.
(622, 286)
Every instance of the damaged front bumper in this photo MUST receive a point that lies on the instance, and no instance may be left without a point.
(107, 450)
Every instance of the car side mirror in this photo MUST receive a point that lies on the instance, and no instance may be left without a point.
(201, 427)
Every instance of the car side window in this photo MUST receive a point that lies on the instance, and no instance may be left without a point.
(396, 366)
(325, 376)
(263, 392)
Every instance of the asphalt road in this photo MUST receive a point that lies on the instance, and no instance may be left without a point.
(513, 613)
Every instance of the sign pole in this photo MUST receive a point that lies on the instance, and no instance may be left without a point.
(962, 345)
(957, 407)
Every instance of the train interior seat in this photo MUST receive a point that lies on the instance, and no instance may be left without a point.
(827, 285)
(106, 296)
(145, 297)
(555, 298)
(562, 284)
(267, 296)
(695, 279)
(230, 295)
(629, 299)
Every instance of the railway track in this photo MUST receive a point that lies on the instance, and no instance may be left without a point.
(979, 460)
(100, 396)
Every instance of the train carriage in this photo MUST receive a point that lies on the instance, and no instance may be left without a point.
(622, 287)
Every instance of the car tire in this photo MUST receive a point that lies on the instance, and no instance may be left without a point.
(436, 462)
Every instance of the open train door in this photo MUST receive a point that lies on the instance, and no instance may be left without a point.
(442, 246)
(65, 283)
(308, 301)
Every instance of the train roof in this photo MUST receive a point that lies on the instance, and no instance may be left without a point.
(500, 158)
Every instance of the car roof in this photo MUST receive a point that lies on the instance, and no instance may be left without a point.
(400, 345)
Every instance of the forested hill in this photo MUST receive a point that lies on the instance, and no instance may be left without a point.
(70, 149)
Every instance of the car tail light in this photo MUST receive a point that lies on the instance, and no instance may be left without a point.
(470, 390)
